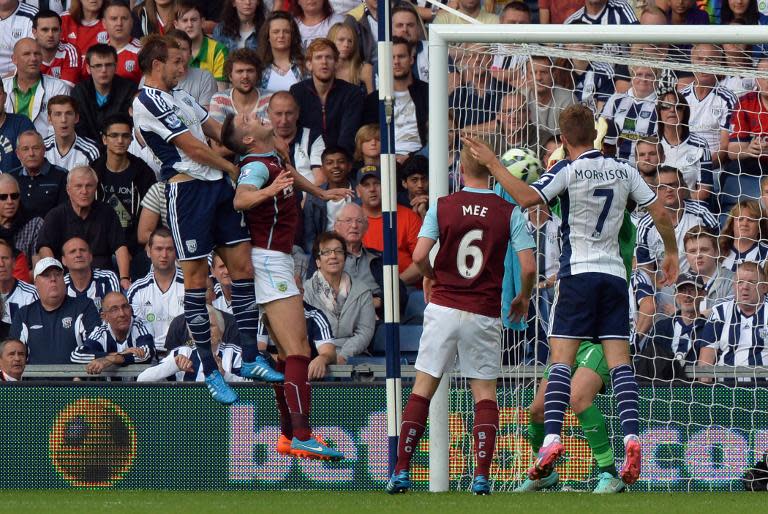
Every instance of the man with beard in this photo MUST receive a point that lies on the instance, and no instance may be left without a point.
(330, 105)
(243, 70)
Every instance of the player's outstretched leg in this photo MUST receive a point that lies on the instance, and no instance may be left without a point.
(484, 436)
(289, 331)
(556, 401)
(536, 439)
(411, 430)
(625, 389)
(199, 324)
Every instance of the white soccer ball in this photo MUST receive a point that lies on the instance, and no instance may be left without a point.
(522, 163)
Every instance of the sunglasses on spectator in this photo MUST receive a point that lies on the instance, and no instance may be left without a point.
(4, 196)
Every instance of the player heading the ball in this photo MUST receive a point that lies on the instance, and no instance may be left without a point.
(200, 211)
(265, 192)
(592, 301)
(463, 290)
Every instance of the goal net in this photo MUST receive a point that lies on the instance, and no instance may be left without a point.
(692, 119)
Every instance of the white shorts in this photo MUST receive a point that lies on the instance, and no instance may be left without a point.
(273, 274)
(449, 333)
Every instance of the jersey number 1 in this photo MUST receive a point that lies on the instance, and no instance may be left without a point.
(467, 250)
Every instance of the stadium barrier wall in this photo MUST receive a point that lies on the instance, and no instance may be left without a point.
(172, 436)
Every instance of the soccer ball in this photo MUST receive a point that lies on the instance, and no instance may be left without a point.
(92, 443)
(522, 163)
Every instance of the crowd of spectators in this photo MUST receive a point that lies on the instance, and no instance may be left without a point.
(88, 270)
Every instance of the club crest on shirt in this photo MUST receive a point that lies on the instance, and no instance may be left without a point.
(173, 121)
(66, 322)
(130, 65)
(16, 33)
(102, 37)
(191, 245)
(718, 112)
(763, 333)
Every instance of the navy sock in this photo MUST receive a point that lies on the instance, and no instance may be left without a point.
(557, 398)
(625, 389)
(199, 324)
(246, 314)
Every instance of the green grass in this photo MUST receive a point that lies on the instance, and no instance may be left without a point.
(287, 502)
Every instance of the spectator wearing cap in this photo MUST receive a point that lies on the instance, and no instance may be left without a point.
(319, 214)
(42, 185)
(737, 330)
(55, 324)
(675, 337)
(94, 221)
(408, 224)
(13, 360)
(414, 177)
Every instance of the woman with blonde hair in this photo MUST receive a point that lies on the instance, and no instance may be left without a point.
(742, 237)
(350, 66)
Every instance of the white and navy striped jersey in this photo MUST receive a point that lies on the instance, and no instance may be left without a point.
(615, 12)
(692, 158)
(16, 26)
(740, 340)
(102, 341)
(220, 301)
(103, 281)
(758, 253)
(595, 84)
(157, 307)
(231, 362)
(21, 294)
(711, 114)
(593, 192)
(629, 119)
(650, 247)
(160, 117)
(82, 152)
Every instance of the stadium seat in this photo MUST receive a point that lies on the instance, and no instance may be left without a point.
(735, 188)
(414, 309)
(409, 342)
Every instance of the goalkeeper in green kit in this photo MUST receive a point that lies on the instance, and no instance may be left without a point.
(590, 376)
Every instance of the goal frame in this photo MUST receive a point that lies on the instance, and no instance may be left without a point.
(440, 36)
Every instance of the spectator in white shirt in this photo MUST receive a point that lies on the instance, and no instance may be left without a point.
(64, 148)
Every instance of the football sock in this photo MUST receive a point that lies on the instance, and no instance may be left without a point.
(298, 395)
(484, 435)
(282, 407)
(625, 389)
(412, 428)
(246, 314)
(556, 400)
(593, 424)
(199, 326)
(535, 435)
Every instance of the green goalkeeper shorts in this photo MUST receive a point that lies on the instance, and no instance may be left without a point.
(590, 356)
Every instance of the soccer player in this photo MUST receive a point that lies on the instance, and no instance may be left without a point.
(590, 376)
(265, 194)
(592, 295)
(463, 289)
(200, 211)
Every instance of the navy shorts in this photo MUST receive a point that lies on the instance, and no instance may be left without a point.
(201, 217)
(590, 306)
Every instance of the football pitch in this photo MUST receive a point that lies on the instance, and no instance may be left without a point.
(287, 502)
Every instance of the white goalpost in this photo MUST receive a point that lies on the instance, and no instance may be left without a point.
(677, 431)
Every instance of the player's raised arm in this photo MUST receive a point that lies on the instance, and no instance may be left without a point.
(523, 194)
(670, 266)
